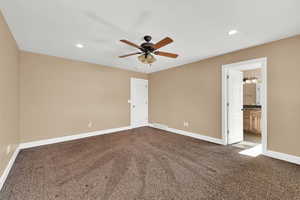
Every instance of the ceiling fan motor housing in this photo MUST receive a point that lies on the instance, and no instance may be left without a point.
(147, 47)
(147, 38)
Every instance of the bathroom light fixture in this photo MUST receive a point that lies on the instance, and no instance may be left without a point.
(232, 32)
(250, 80)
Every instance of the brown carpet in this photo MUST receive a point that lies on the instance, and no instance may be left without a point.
(147, 163)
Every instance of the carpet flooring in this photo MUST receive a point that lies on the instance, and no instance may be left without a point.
(147, 164)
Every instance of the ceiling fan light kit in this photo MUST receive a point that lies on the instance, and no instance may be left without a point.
(147, 59)
(147, 49)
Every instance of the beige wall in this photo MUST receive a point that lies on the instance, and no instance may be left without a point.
(192, 92)
(9, 94)
(59, 97)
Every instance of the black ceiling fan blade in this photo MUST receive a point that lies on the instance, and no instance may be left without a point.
(131, 54)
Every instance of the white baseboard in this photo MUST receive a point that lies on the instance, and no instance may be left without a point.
(186, 133)
(71, 137)
(8, 167)
(159, 126)
(141, 125)
(283, 156)
(197, 136)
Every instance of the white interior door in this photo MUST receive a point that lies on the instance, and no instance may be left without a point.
(139, 102)
(235, 106)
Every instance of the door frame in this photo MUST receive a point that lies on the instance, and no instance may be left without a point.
(132, 124)
(246, 65)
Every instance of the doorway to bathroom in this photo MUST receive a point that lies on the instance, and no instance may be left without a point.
(244, 106)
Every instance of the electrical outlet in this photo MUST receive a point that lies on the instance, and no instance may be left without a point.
(8, 149)
(90, 124)
(185, 124)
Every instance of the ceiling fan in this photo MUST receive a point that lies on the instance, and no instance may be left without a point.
(147, 49)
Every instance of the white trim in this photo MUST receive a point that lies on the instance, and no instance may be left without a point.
(283, 156)
(141, 125)
(8, 167)
(189, 134)
(151, 125)
(159, 126)
(71, 137)
(246, 65)
(196, 135)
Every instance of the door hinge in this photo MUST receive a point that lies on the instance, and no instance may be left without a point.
(227, 103)
(227, 76)
(227, 131)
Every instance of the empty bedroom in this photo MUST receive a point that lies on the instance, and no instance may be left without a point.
(149, 100)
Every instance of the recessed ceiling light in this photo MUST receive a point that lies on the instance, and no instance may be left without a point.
(232, 32)
(80, 46)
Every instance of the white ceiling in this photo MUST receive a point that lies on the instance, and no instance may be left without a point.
(198, 27)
